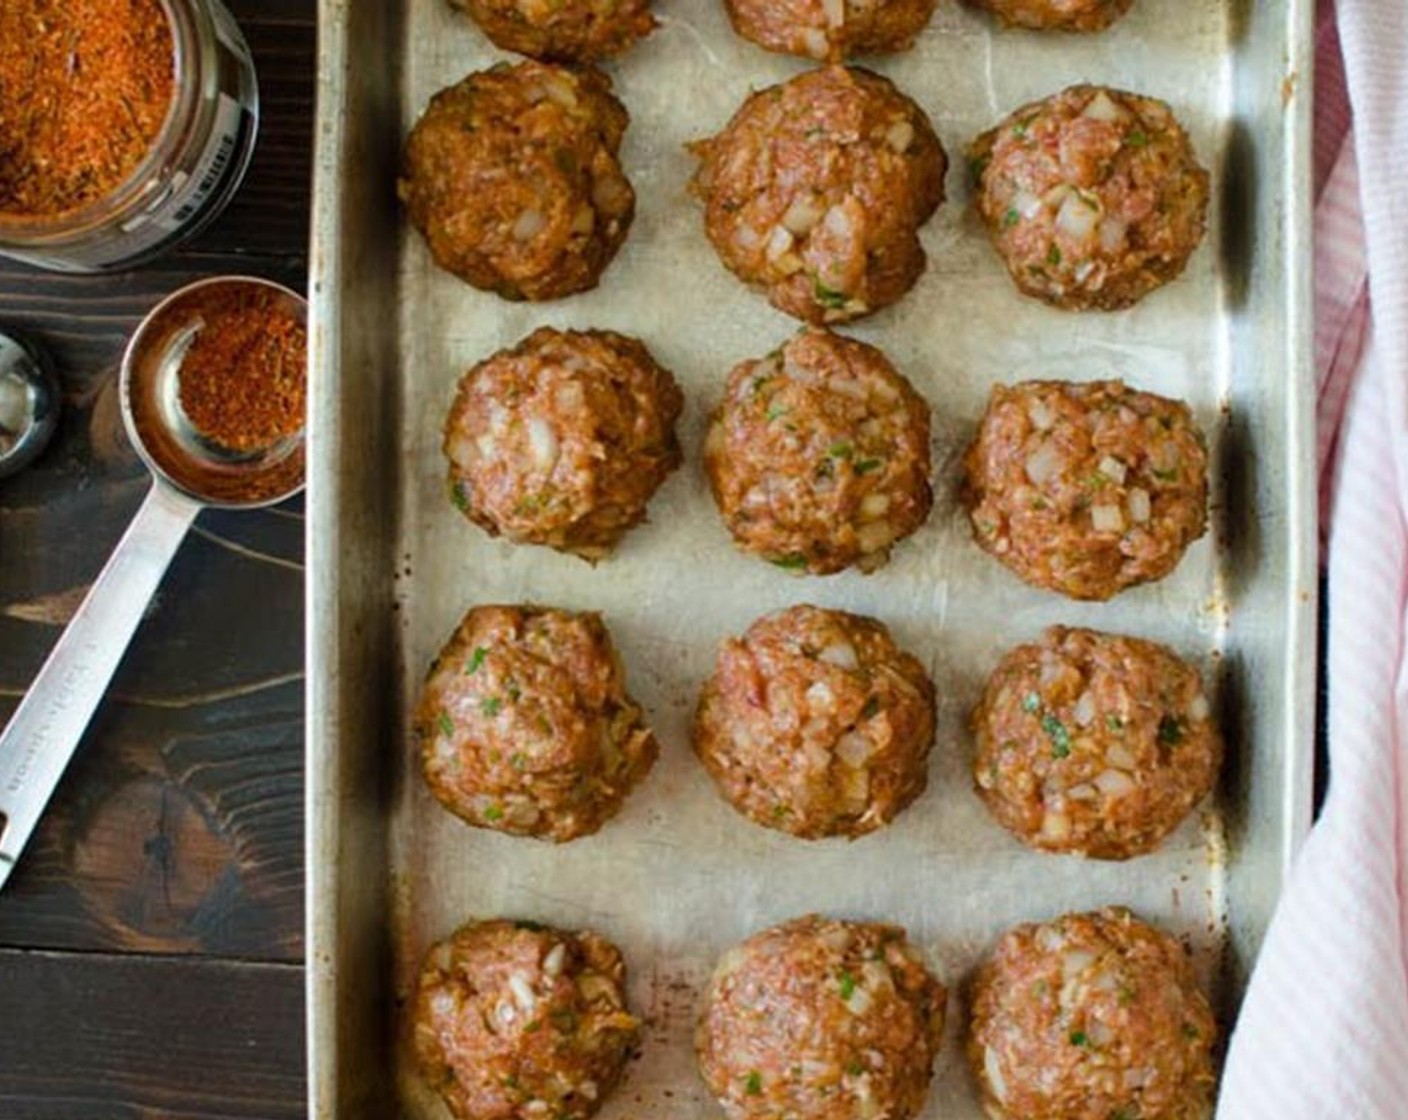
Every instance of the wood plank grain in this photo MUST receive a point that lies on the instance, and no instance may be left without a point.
(140, 1038)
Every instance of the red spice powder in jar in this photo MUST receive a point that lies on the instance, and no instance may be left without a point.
(85, 87)
(244, 379)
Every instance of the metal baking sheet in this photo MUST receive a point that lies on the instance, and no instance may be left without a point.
(678, 877)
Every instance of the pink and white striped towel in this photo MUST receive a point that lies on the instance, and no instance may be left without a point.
(1323, 1034)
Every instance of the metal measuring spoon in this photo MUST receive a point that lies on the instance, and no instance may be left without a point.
(29, 403)
(189, 473)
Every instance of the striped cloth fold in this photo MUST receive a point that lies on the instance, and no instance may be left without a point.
(1323, 1033)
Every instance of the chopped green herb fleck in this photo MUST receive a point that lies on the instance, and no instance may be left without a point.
(510, 1082)
(848, 985)
(1165, 476)
(1137, 139)
(1057, 733)
(514, 692)
(1114, 723)
(1170, 731)
(491, 706)
(535, 1025)
(1097, 481)
(871, 709)
(493, 813)
(517, 760)
(793, 562)
(1123, 1114)
(1020, 130)
(564, 1020)
(979, 165)
(776, 412)
(854, 1068)
(1011, 218)
(476, 659)
(842, 450)
(1080, 1038)
(865, 466)
(530, 925)
(1031, 702)
(447, 725)
(1190, 1032)
(759, 383)
(828, 297)
(1053, 255)
(753, 1084)
(459, 495)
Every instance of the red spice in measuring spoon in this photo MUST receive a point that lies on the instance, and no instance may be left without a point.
(244, 378)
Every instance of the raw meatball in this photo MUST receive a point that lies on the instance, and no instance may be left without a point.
(831, 30)
(562, 30)
(525, 724)
(512, 177)
(822, 1019)
(563, 439)
(816, 723)
(816, 189)
(1057, 15)
(1086, 489)
(819, 455)
(1091, 1017)
(1093, 197)
(520, 1021)
(1094, 743)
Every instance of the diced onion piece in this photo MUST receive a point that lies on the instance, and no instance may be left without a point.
(1043, 464)
(528, 225)
(860, 999)
(1041, 415)
(1121, 756)
(747, 238)
(543, 442)
(1077, 218)
(875, 535)
(1055, 826)
(522, 991)
(1113, 469)
(1074, 962)
(570, 396)
(555, 959)
(443, 1004)
(1083, 792)
(779, 242)
(1102, 108)
(992, 1069)
(841, 654)
(820, 698)
(1026, 204)
(900, 136)
(498, 418)
(874, 505)
(559, 89)
(1199, 709)
(1112, 234)
(1107, 519)
(584, 220)
(847, 387)
(838, 221)
(1056, 195)
(1084, 711)
(1137, 1077)
(816, 43)
(1098, 1033)
(802, 215)
(835, 12)
(611, 193)
(1140, 507)
(1115, 783)
(854, 749)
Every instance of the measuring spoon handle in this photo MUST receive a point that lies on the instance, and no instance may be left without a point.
(45, 730)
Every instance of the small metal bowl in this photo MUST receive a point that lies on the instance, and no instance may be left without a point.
(29, 402)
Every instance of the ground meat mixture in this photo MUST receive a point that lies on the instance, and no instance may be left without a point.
(525, 724)
(816, 189)
(831, 30)
(562, 30)
(1056, 15)
(1091, 1017)
(822, 1019)
(520, 1021)
(818, 455)
(815, 723)
(513, 179)
(1086, 489)
(1093, 197)
(1094, 743)
(563, 439)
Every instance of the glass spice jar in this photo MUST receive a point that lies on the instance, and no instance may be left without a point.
(187, 177)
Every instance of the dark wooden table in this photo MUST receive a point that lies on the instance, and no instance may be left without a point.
(151, 938)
